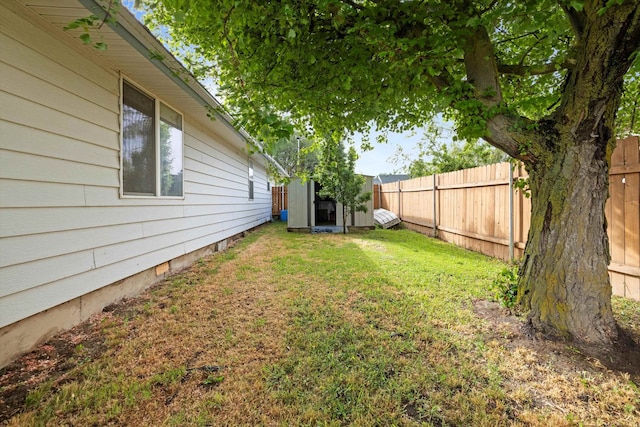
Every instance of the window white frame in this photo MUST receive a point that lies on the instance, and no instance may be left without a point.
(158, 178)
(251, 180)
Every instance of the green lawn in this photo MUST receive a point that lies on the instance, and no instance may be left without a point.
(374, 328)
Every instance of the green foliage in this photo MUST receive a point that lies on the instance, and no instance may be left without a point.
(628, 117)
(336, 174)
(436, 157)
(296, 154)
(505, 286)
(522, 184)
(343, 65)
(88, 23)
(392, 65)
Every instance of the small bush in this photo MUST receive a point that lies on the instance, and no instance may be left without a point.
(505, 286)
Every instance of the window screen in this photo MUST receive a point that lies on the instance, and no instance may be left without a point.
(138, 142)
(170, 152)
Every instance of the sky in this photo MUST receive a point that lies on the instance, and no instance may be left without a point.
(378, 161)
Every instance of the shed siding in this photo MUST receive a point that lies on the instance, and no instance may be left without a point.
(64, 229)
(365, 219)
(298, 204)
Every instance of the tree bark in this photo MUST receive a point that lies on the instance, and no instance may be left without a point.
(564, 281)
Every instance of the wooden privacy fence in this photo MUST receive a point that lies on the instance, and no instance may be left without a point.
(376, 196)
(279, 199)
(479, 209)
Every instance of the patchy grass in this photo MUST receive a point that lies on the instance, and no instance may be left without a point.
(378, 328)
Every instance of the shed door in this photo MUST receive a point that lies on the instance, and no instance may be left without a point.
(325, 208)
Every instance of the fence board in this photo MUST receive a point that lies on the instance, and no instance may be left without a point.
(632, 216)
(279, 199)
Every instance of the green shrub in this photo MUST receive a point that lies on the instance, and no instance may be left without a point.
(505, 286)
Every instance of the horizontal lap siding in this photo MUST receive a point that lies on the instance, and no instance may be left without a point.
(64, 230)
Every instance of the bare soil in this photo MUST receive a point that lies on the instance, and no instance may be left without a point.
(624, 356)
(56, 358)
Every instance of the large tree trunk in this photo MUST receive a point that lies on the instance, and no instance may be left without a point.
(564, 280)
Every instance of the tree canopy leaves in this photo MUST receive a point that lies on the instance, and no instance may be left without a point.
(297, 155)
(437, 157)
(345, 65)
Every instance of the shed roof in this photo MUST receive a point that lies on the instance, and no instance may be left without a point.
(387, 178)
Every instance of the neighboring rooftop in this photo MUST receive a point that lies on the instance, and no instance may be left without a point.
(387, 178)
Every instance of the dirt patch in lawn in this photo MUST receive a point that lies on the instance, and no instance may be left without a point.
(218, 319)
(560, 377)
(54, 360)
(624, 357)
(51, 361)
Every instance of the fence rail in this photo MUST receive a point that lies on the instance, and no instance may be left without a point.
(479, 209)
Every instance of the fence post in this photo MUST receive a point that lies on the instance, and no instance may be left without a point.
(399, 202)
(435, 220)
(510, 212)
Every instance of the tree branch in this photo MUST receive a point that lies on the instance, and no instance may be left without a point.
(488, 8)
(576, 19)
(534, 70)
(482, 73)
(528, 51)
(441, 81)
(481, 67)
(521, 36)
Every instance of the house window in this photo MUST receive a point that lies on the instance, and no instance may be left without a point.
(151, 146)
(250, 180)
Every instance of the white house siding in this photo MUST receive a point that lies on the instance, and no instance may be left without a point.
(64, 229)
